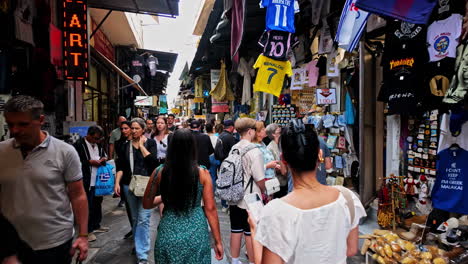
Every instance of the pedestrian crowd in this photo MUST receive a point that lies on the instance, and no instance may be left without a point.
(49, 210)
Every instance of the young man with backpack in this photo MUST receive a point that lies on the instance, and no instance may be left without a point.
(241, 173)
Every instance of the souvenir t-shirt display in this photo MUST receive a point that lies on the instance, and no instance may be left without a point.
(271, 74)
(298, 78)
(276, 44)
(280, 15)
(246, 70)
(313, 72)
(438, 75)
(442, 37)
(403, 95)
(403, 35)
(450, 192)
(416, 11)
(447, 138)
(458, 90)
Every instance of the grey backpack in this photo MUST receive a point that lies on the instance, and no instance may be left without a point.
(230, 182)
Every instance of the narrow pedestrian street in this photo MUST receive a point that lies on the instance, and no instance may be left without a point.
(111, 247)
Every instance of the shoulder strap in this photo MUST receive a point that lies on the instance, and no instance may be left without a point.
(349, 200)
(131, 155)
(247, 148)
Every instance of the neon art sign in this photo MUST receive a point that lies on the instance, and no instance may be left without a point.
(75, 39)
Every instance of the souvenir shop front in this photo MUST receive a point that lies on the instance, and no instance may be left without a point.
(383, 84)
(422, 198)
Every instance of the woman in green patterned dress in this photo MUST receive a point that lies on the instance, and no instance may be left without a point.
(183, 235)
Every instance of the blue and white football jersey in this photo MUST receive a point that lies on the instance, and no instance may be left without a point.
(280, 14)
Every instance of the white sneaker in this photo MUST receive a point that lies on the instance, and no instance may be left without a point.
(91, 237)
(102, 229)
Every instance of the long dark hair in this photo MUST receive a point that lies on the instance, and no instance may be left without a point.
(180, 176)
(122, 137)
(300, 146)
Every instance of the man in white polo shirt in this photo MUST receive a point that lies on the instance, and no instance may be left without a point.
(41, 188)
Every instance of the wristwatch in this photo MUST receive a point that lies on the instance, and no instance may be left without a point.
(83, 235)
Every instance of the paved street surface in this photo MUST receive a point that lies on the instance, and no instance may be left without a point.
(110, 247)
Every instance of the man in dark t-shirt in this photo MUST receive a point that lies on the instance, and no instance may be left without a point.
(204, 146)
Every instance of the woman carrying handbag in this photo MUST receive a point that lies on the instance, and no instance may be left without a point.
(141, 158)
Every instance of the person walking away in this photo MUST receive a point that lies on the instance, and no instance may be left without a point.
(46, 197)
(114, 136)
(313, 222)
(219, 128)
(183, 235)
(214, 163)
(273, 131)
(149, 127)
(226, 141)
(270, 164)
(204, 146)
(325, 165)
(254, 173)
(120, 149)
(142, 151)
(92, 156)
(170, 122)
(223, 146)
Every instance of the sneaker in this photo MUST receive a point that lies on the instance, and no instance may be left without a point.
(102, 229)
(225, 209)
(91, 237)
(143, 261)
(121, 204)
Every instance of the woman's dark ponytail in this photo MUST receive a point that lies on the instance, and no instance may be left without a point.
(300, 146)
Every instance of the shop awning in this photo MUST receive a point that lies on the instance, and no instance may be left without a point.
(151, 7)
(120, 72)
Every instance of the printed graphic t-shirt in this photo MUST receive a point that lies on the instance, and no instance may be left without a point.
(450, 191)
(443, 36)
(276, 44)
(271, 75)
(280, 15)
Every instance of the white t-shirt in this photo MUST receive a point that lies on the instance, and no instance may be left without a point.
(214, 140)
(443, 37)
(446, 139)
(161, 147)
(308, 236)
(94, 155)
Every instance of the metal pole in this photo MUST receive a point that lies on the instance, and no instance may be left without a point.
(362, 163)
(100, 24)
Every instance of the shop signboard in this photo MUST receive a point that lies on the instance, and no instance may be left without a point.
(56, 53)
(326, 96)
(198, 100)
(216, 106)
(144, 101)
(75, 39)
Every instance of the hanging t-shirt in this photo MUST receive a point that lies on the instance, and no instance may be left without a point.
(402, 96)
(446, 138)
(280, 15)
(313, 72)
(270, 76)
(450, 192)
(415, 11)
(442, 37)
(438, 75)
(298, 78)
(458, 88)
(402, 35)
(276, 44)
(245, 69)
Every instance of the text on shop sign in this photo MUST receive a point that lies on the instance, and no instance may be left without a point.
(75, 39)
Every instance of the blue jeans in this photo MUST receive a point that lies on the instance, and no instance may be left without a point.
(141, 224)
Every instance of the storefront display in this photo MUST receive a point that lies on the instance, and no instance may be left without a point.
(282, 114)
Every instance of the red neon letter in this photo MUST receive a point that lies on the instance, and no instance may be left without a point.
(75, 38)
(75, 57)
(75, 21)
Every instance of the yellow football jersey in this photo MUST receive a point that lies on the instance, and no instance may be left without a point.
(270, 76)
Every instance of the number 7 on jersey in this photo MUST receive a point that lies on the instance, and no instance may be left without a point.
(272, 74)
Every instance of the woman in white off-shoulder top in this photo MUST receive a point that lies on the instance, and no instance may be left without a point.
(314, 223)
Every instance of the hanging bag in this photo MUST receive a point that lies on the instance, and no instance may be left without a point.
(105, 180)
(139, 182)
